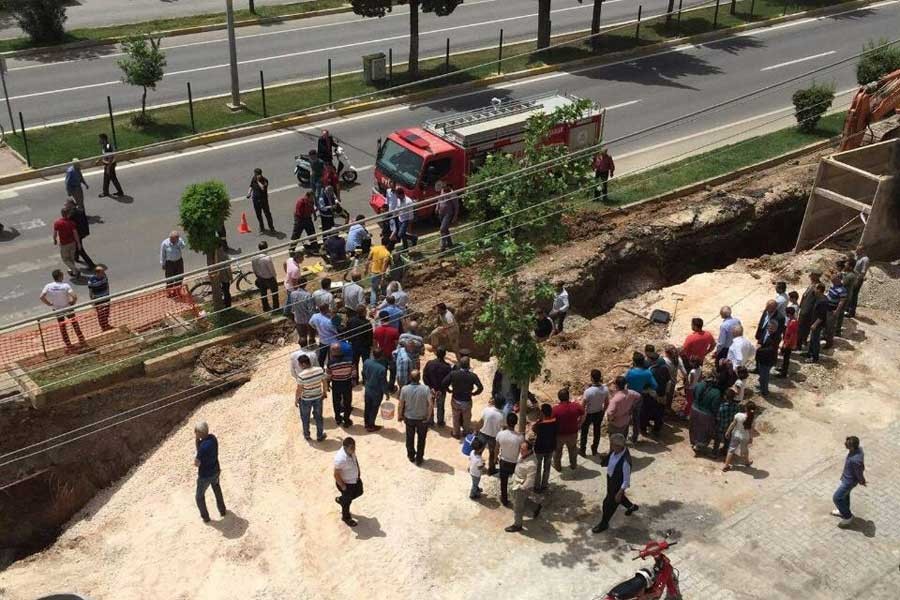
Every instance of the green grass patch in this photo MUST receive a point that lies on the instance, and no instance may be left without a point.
(129, 29)
(58, 144)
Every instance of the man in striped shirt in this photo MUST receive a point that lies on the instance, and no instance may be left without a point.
(311, 388)
(339, 372)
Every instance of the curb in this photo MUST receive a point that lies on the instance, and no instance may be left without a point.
(240, 131)
(44, 50)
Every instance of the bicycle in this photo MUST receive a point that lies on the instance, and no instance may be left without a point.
(202, 290)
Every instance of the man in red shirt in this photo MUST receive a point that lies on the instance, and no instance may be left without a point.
(304, 222)
(65, 235)
(569, 416)
(790, 340)
(698, 343)
(604, 168)
(386, 337)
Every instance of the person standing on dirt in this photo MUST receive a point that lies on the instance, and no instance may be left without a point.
(171, 261)
(594, 401)
(323, 295)
(770, 314)
(523, 479)
(74, 180)
(302, 309)
(310, 395)
(377, 267)
(448, 212)
(347, 478)
(339, 373)
(462, 384)
(359, 333)
(618, 480)
(258, 193)
(358, 237)
(849, 278)
(374, 372)
(570, 416)
(837, 296)
(861, 268)
(108, 160)
(820, 316)
(413, 410)
(560, 307)
(508, 443)
(807, 303)
(726, 335)
(325, 329)
(491, 425)
(852, 475)
(266, 278)
(604, 168)
(698, 344)
(545, 432)
(304, 223)
(741, 350)
(208, 470)
(433, 376)
(620, 406)
(789, 341)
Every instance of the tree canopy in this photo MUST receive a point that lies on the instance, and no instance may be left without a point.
(142, 66)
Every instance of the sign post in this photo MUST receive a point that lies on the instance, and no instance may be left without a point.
(9, 111)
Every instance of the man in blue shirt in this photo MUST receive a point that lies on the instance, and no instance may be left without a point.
(725, 332)
(98, 287)
(639, 376)
(207, 463)
(325, 329)
(74, 181)
(394, 313)
(852, 475)
(358, 236)
(837, 296)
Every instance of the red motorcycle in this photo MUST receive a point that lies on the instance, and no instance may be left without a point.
(660, 582)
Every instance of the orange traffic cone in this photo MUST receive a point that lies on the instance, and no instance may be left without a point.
(244, 227)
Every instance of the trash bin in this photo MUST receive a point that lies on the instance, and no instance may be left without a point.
(374, 68)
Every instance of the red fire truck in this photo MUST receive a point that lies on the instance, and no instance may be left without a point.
(448, 149)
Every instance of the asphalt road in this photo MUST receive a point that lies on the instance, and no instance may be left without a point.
(639, 93)
(54, 88)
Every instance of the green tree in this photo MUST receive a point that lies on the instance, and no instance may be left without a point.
(43, 20)
(810, 104)
(204, 207)
(506, 325)
(875, 64)
(142, 66)
(379, 8)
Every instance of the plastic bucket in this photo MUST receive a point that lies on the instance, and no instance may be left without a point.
(467, 444)
(387, 411)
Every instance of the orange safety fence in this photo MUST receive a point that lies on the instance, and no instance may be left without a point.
(54, 336)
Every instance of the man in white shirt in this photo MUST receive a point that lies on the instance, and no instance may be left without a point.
(594, 400)
(741, 350)
(491, 424)
(347, 479)
(618, 479)
(508, 443)
(353, 294)
(59, 295)
(266, 278)
(560, 308)
(171, 260)
(405, 220)
(861, 267)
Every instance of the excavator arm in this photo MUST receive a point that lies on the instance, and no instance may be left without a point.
(871, 103)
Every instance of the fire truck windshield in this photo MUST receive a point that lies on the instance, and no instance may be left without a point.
(400, 163)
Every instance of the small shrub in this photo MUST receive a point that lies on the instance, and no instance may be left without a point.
(43, 20)
(810, 104)
(875, 64)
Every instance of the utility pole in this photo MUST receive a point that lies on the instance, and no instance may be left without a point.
(232, 55)
(12, 122)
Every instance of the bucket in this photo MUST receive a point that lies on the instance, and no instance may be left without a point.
(387, 411)
(467, 444)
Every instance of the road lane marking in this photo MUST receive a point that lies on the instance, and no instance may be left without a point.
(7, 194)
(29, 266)
(293, 186)
(798, 60)
(30, 224)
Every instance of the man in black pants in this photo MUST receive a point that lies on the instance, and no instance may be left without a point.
(259, 195)
(207, 463)
(618, 479)
(340, 373)
(109, 166)
(594, 399)
(347, 478)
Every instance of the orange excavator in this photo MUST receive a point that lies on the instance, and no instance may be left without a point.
(871, 103)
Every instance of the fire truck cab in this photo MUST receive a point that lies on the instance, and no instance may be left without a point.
(447, 150)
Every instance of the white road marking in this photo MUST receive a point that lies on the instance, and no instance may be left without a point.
(14, 210)
(27, 267)
(32, 224)
(7, 194)
(798, 60)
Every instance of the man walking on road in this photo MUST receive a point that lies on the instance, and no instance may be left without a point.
(77, 216)
(604, 168)
(414, 408)
(59, 295)
(618, 479)
(522, 485)
(594, 401)
(207, 463)
(311, 389)
(852, 475)
(74, 181)
(304, 223)
(266, 278)
(108, 160)
(65, 235)
(171, 261)
(347, 479)
(258, 193)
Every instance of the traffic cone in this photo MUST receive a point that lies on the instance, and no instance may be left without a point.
(244, 227)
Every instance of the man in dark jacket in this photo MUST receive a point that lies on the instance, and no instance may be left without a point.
(769, 314)
(326, 146)
(805, 314)
(462, 385)
(618, 479)
(767, 355)
(77, 216)
(852, 475)
(359, 332)
(207, 463)
(436, 370)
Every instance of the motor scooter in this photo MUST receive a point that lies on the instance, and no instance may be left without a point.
(347, 173)
(658, 583)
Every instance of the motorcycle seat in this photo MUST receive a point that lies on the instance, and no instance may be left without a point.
(629, 589)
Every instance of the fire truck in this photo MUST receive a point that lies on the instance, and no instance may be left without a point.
(447, 150)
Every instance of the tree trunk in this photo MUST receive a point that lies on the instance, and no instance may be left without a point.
(543, 37)
(523, 406)
(733, 6)
(669, 10)
(413, 39)
(252, 7)
(595, 25)
(144, 104)
(217, 299)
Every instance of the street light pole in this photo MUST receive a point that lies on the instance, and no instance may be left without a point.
(232, 55)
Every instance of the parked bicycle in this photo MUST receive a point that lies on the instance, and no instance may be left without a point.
(244, 282)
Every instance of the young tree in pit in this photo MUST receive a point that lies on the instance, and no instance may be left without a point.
(379, 8)
(507, 322)
(204, 207)
(142, 66)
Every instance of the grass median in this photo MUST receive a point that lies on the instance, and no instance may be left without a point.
(58, 144)
(85, 34)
